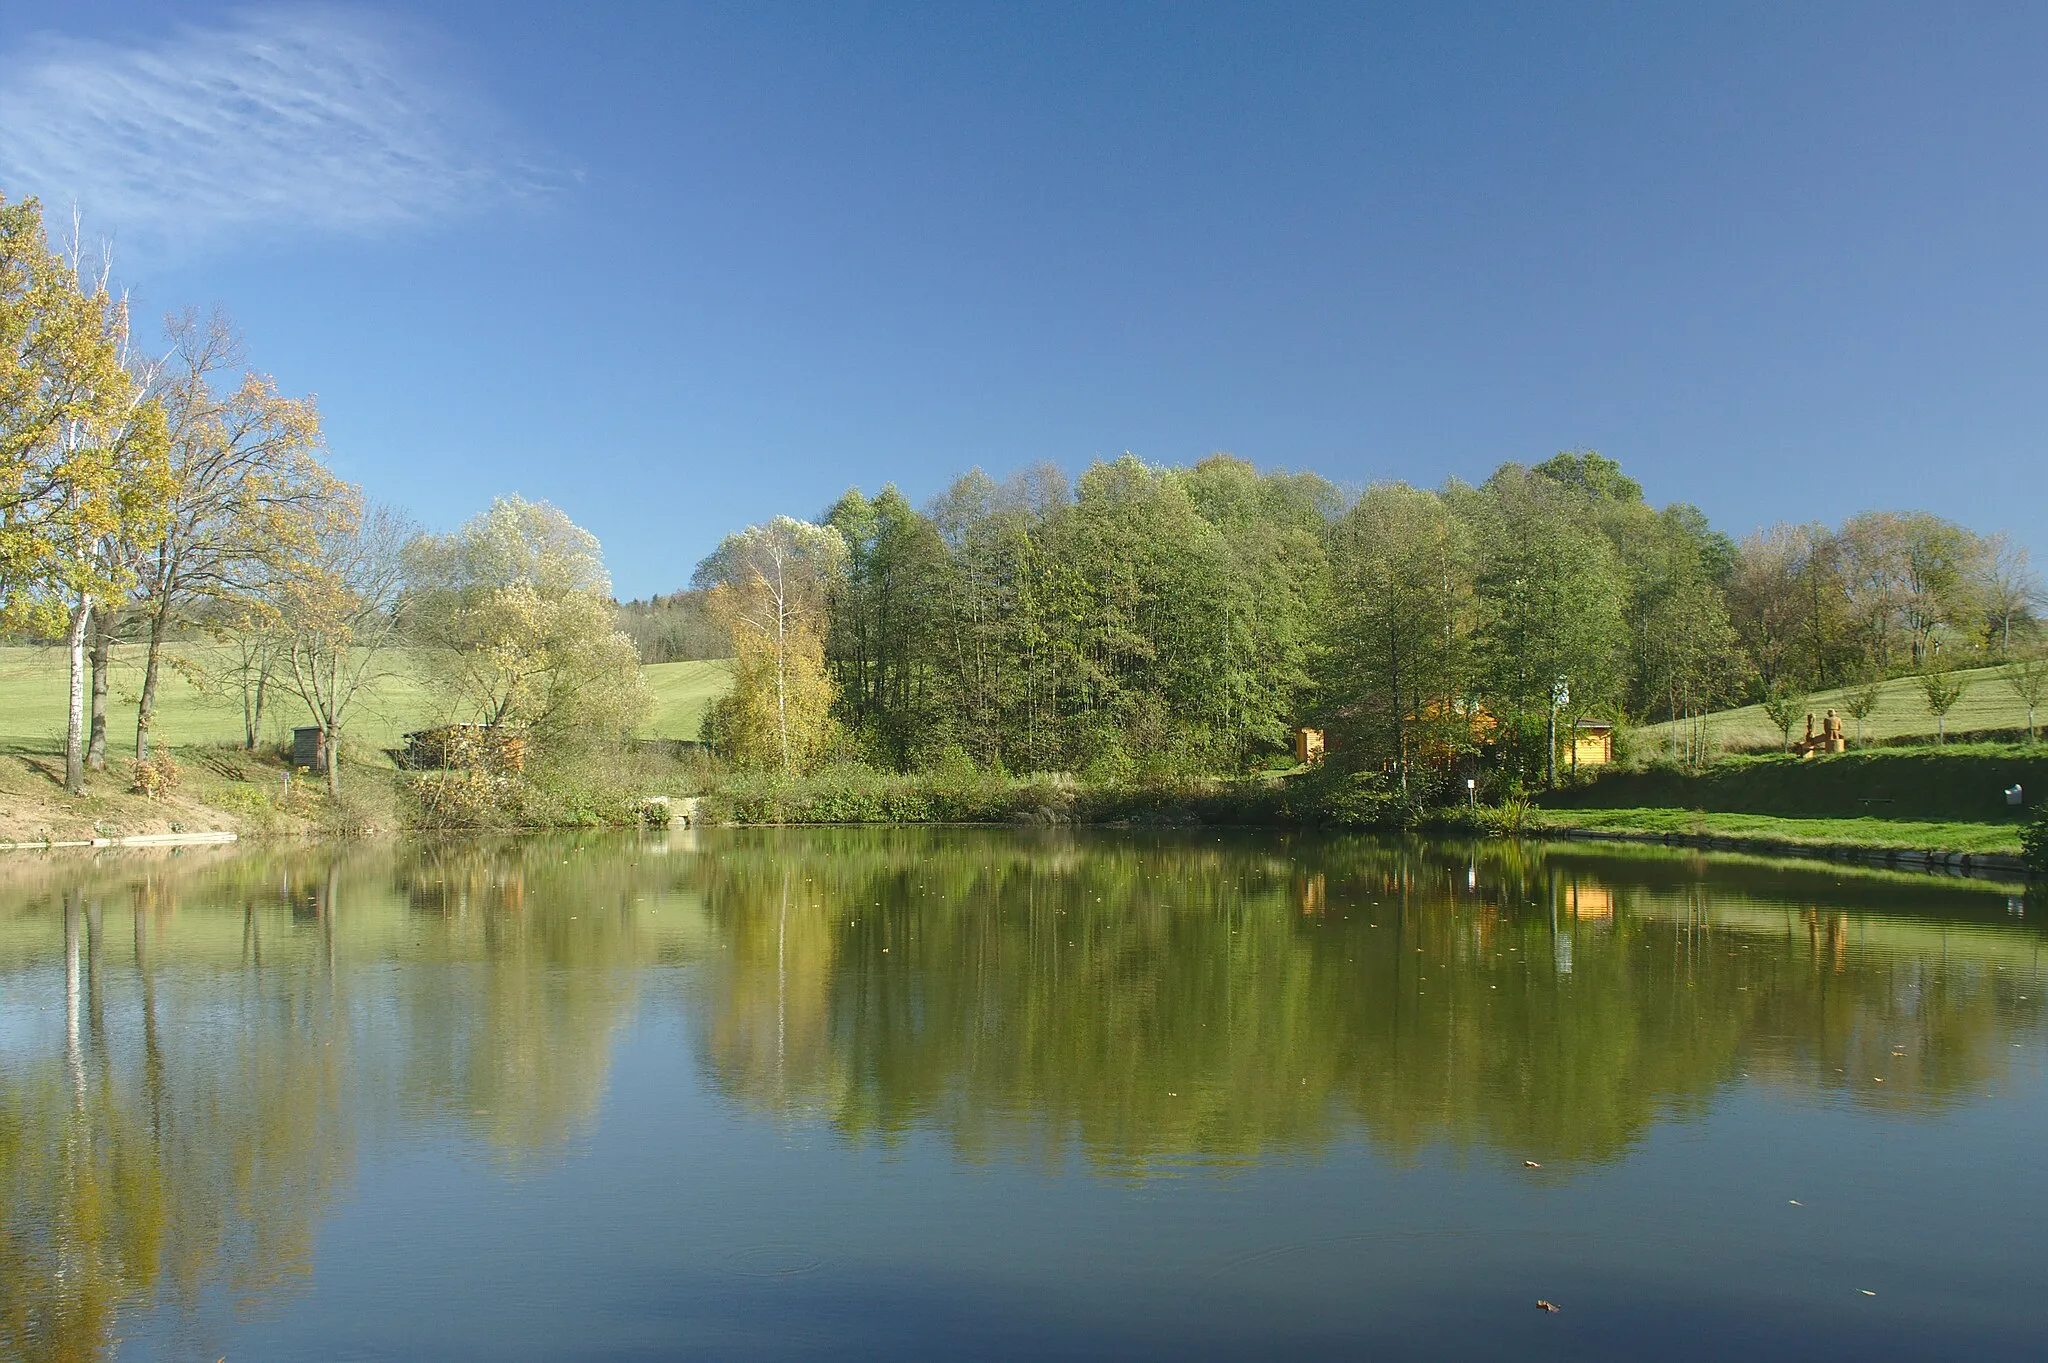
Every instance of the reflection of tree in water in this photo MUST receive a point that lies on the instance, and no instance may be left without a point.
(1155, 1000)
(180, 1141)
(226, 1031)
(186, 1142)
(516, 1042)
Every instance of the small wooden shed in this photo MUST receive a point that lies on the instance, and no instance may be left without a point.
(1308, 746)
(1592, 743)
(466, 747)
(309, 749)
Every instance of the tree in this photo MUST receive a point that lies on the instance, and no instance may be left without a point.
(339, 610)
(514, 543)
(1783, 709)
(1550, 598)
(1790, 608)
(82, 451)
(1910, 574)
(258, 648)
(248, 493)
(516, 609)
(1163, 640)
(1275, 528)
(2009, 589)
(1942, 690)
(673, 628)
(882, 632)
(1861, 702)
(1403, 582)
(2028, 679)
(768, 586)
(1687, 654)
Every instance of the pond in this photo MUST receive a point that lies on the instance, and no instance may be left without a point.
(978, 1093)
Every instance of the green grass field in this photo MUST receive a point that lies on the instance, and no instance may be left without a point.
(682, 693)
(399, 697)
(1901, 713)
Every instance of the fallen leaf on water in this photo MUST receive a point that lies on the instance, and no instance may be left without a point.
(1796, 1202)
(1542, 1305)
(1530, 1164)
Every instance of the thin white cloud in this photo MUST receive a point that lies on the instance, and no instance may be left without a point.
(281, 122)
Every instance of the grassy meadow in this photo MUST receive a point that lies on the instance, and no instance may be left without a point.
(682, 693)
(1988, 705)
(190, 712)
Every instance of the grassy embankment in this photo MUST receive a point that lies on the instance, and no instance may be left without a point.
(1949, 799)
(1988, 707)
(223, 787)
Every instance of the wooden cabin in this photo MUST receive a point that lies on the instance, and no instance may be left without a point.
(465, 747)
(1308, 746)
(309, 750)
(1592, 743)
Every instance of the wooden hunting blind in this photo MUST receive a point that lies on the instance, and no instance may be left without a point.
(309, 749)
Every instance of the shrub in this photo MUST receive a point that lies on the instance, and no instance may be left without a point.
(2034, 844)
(460, 799)
(1510, 818)
(155, 776)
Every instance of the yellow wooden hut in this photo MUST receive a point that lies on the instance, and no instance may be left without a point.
(1592, 743)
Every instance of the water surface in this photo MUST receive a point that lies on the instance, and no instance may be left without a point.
(941, 1094)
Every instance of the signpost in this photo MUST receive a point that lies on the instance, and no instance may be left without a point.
(1560, 697)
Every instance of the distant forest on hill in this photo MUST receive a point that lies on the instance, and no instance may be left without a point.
(1148, 618)
(675, 628)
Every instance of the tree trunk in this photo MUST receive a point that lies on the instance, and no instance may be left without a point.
(159, 621)
(252, 715)
(782, 683)
(74, 732)
(331, 742)
(1550, 763)
(102, 665)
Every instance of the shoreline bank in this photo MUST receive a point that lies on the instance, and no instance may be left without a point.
(1984, 865)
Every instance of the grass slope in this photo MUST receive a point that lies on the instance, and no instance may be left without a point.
(1988, 704)
(682, 693)
(399, 697)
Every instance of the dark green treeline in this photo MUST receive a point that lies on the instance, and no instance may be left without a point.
(1181, 620)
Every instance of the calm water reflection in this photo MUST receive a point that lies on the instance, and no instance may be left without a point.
(977, 1093)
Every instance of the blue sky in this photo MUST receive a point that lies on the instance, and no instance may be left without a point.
(681, 267)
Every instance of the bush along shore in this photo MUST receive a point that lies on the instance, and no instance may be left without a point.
(226, 790)
(1372, 802)
(851, 794)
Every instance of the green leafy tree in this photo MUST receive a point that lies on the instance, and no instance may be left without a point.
(516, 610)
(1404, 603)
(1783, 709)
(1275, 528)
(2027, 678)
(1551, 593)
(1942, 690)
(1861, 702)
(881, 631)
